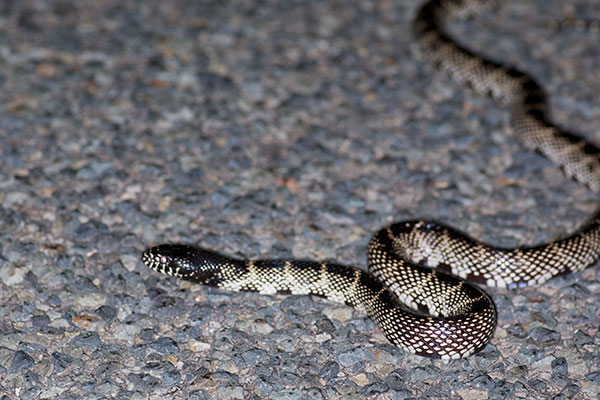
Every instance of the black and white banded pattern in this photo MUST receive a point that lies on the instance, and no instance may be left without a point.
(450, 318)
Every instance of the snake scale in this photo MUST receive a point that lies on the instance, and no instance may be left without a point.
(423, 310)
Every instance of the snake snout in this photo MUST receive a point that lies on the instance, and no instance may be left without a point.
(169, 259)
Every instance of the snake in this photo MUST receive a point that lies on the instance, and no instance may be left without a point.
(421, 288)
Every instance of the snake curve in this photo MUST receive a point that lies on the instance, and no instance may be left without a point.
(422, 310)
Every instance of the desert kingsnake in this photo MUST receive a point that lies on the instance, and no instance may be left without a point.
(453, 318)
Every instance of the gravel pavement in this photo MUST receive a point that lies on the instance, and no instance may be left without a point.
(275, 128)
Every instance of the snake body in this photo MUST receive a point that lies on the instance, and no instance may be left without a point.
(422, 310)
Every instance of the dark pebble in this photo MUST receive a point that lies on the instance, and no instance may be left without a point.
(199, 395)
(532, 354)
(201, 374)
(88, 341)
(421, 373)
(164, 305)
(545, 336)
(238, 336)
(502, 390)
(289, 378)
(538, 384)
(63, 261)
(90, 231)
(165, 345)
(253, 356)
(169, 375)
(20, 361)
(54, 300)
(594, 376)
(486, 357)
(107, 313)
(124, 394)
(61, 361)
(375, 388)
(315, 393)
(51, 330)
(32, 279)
(325, 325)
(222, 340)
(330, 370)
(517, 331)
(353, 356)
(31, 347)
(88, 386)
(10, 220)
(519, 386)
(363, 324)
(199, 315)
(265, 385)
(83, 285)
(144, 382)
(227, 377)
(27, 311)
(519, 371)
(560, 367)
(570, 390)
(581, 339)
(395, 380)
(40, 320)
(186, 333)
(106, 369)
(296, 306)
(32, 384)
(171, 378)
(484, 382)
(21, 250)
(402, 394)
(94, 170)
(160, 366)
(147, 335)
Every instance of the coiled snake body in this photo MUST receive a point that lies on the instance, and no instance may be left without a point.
(423, 310)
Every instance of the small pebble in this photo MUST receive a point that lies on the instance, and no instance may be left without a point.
(165, 345)
(21, 361)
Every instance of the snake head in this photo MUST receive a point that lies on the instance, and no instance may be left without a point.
(172, 259)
